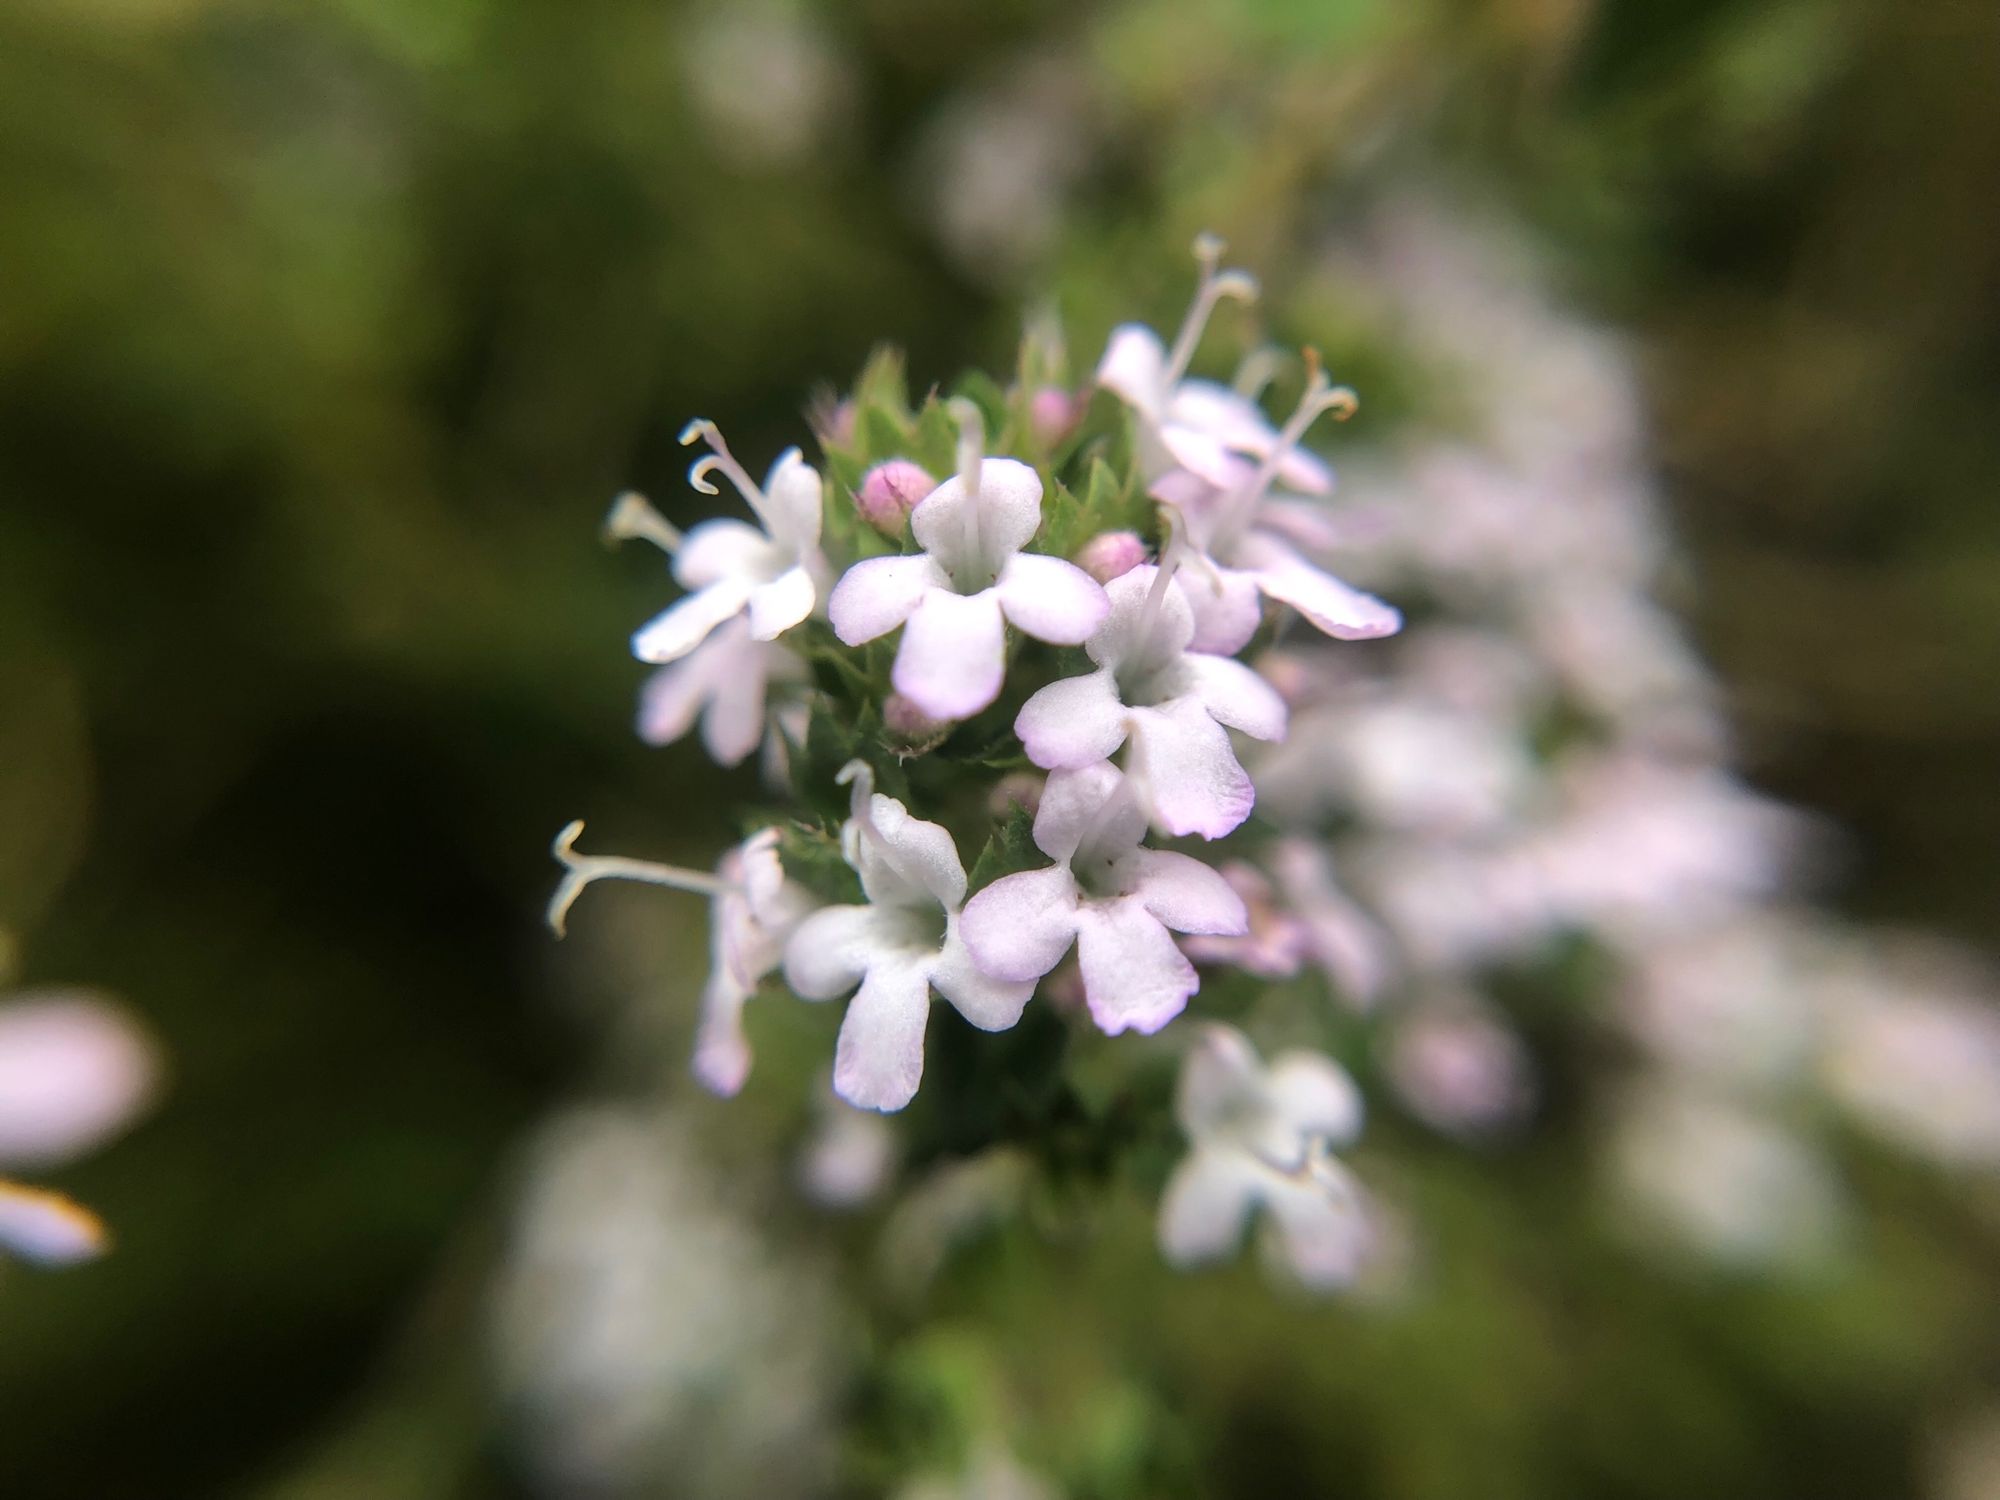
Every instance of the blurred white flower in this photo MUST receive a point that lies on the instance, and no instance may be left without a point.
(75, 1068)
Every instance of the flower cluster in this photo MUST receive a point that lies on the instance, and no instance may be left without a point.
(1031, 660)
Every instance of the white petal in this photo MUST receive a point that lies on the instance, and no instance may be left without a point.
(1184, 893)
(1075, 722)
(1223, 414)
(725, 548)
(953, 654)
(1134, 368)
(1227, 608)
(721, 1051)
(734, 725)
(1134, 978)
(1186, 772)
(1119, 637)
(830, 950)
(1019, 927)
(1323, 1229)
(1307, 523)
(906, 859)
(46, 1227)
(792, 495)
(879, 593)
(1301, 470)
(1204, 1206)
(1236, 696)
(1008, 513)
(674, 697)
(1076, 803)
(988, 1003)
(1342, 612)
(1051, 600)
(1221, 1083)
(879, 1059)
(1314, 1096)
(1010, 506)
(685, 624)
(777, 606)
(74, 1069)
(1203, 455)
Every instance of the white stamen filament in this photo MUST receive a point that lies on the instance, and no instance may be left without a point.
(723, 461)
(633, 519)
(971, 459)
(1149, 610)
(1259, 368)
(1213, 287)
(1321, 395)
(581, 869)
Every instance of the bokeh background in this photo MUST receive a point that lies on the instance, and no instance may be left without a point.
(328, 330)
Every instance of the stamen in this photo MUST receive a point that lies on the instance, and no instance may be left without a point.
(633, 519)
(723, 461)
(1321, 395)
(1149, 611)
(1212, 288)
(582, 869)
(1259, 368)
(971, 460)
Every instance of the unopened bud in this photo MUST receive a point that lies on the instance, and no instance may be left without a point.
(1016, 789)
(1053, 414)
(889, 492)
(1111, 554)
(912, 731)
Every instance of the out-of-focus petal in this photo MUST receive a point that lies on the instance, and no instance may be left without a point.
(1324, 1232)
(777, 606)
(1051, 600)
(1203, 1208)
(1221, 1081)
(1314, 1096)
(1236, 696)
(1134, 367)
(48, 1228)
(685, 624)
(792, 495)
(1227, 608)
(74, 1070)
(724, 548)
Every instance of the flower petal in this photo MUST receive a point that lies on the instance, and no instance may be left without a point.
(777, 606)
(674, 696)
(1236, 696)
(988, 1003)
(721, 1051)
(74, 1069)
(1343, 612)
(1221, 1083)
(685, 624)
(1134, 978)
(1314, 1096)
(47, 1228)
(1204, 1206)
(879, 593)
(1227, 608)
(1075, 722)
(1009, 513)
(1184, 893)
(725, 548)
(792, 497)
(1134, 368)
(830, 950)
(1019, 927)
(879, 1059)
(733, 726)
(1323, 1230)
(1185, 771)
(1126, 630)
(1077, 804)
(953, 655)
(1051, 600)
(908, 861)
(1224, 414)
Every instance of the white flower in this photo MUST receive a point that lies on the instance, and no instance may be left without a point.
(1304, 918)
(1195, 425)
(1263, 1138)
(734, 568)
(1113, 898)
(850, 1154)
(753, 908)
(898, 947)
(1242, 544)
(1170, 703)
(954, 598)
(724, 681)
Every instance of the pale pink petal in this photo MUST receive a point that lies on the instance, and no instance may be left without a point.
(1019, 927)
(1134, 367)
(1300, 470)
(1010, 506)
(1051, 600)
(1204, 1206)
(1008, 513)
(1186, 772)
(734, 725)
(1324, 1231)
(1343, 612)
(1314, 1095)
(1075, 722)
(1236, 696)
(1221, 1082)
(1206, 457)
(674, 696)
(685, 624)
(792, 496)
(879, 1059)
(777, 606)
(724, 548)
(1121, 633)
(1308, 524)
(988, 1003)
(1134, 978)
(74, 1069)
(721, 1051)
(906, 858)
(1224, 414)
(830, 950)
(953, 654)
(1184, 893)
(1095, 800)
(879, 593)
(1227, 608)
(47, 1228)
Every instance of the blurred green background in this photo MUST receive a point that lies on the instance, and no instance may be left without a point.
(327, 331)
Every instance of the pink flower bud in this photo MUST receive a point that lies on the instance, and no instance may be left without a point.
(889, 492)
(1111, 554)
(1016, 789)
(909, 728)
(1052, 413)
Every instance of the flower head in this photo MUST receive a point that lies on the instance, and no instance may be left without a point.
(955, 598)
(1117, 901)
(1170, 703)
(897, 947)
(1263, 1138)
(734, 568)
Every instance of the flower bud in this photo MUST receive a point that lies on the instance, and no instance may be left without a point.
(1053, 414)
(889, 492)
(912, 731)
(1111, 554)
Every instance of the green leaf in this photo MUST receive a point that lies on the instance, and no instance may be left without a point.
(1010, 850)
